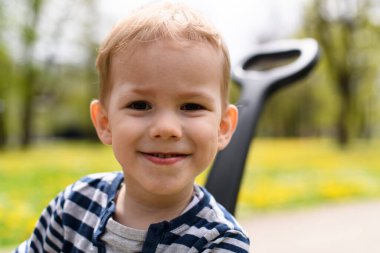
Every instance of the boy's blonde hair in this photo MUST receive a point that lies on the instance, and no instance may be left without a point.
(154, 22)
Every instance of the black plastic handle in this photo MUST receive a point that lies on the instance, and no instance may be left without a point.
(226, 174)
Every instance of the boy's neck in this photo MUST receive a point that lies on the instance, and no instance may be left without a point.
(141, 213)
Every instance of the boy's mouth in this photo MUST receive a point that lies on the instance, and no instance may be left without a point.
(164, 158)
(165, 155)
(160, 155)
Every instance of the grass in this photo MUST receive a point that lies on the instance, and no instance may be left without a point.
(302, 172)
(30, 179)
(280, 174)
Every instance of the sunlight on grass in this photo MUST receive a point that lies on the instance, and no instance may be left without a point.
(30, 179)
(280, 174)
(301, 172)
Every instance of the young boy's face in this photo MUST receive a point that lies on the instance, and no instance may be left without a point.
(164, 117)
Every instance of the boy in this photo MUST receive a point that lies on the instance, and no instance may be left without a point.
(164, 109)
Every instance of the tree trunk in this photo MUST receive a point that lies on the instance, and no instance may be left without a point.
(3, 132)
(27, 114)
(343, 127)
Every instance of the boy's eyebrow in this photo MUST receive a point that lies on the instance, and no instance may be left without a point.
(183, 95)
(136, 90)
(195, 94)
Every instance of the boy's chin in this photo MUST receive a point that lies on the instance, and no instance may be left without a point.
(167, 190)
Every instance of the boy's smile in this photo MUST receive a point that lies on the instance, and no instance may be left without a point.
(164, 158)
(164, 116)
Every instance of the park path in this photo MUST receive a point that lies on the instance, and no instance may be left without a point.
(334, 228)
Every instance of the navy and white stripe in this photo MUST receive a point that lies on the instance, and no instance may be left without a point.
(75, 221)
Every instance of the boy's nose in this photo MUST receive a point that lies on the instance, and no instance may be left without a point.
(165, 126)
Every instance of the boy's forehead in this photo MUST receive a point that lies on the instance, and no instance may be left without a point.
(165, 56)
(180, 46)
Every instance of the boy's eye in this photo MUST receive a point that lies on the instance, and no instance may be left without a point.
(192, 107)
(139, 105)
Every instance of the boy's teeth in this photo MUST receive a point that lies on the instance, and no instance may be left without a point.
(163, 155)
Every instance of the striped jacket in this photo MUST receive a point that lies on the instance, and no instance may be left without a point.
(75, 221)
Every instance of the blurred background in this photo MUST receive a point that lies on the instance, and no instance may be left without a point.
(317, 141)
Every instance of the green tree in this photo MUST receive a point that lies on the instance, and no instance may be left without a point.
(29, 70)
(77, 82)
(42, 81)
(350, 42)
(5, 70)
(5, 76)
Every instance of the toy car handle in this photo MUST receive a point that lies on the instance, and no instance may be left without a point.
(226, 174)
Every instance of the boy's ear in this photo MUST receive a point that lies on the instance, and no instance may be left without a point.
(99, 118)
(227, 126)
